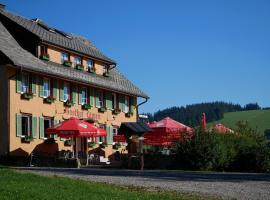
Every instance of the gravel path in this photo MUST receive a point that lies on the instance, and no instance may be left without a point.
(226, 185)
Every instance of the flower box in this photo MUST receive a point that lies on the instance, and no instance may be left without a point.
(90, 120)
(93, 71)
(79, 67)
(68, 103)
(102, 109)
(45, 57)
(116, 111)
(86, 107)
(69, 143)
(117, 146)
(67, 63)
(27, 139)
(129, 114)
(103, 145)
(50, 141)
(106, 74)
(91, 144)
(27, 95)
(49, 100)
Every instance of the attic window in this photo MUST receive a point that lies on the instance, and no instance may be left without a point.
(43, 25)
(63, 34)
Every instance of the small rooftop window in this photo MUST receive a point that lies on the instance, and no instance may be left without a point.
(63, 34)
(43, 25)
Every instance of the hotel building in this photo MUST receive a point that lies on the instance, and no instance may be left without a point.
(48, 76)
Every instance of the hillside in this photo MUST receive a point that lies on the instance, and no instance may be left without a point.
(256, 118)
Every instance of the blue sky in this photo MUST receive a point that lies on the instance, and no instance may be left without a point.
(178, 52)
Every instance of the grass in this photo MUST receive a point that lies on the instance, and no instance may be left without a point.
(15, 185)
(257, 119)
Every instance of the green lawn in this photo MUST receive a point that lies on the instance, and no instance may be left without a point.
(15, 185)
(256, 118)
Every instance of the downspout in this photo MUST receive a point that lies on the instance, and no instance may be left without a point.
(137, 110)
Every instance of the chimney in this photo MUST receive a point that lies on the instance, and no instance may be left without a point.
(2, 6)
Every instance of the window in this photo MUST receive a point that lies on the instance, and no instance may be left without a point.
(64, 57)
(115, 130)
(102, 139)
(46, 84)
(126, 105)
(66, 91)
(25, 83)
(99, 99)
(77, 61)
(43, 50)
(84, 96)
(105, 68)
(48, 122)
(26, 125)
(90, 64)
(114, 103)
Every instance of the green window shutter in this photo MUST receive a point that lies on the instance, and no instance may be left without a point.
(55, 88)
(41, 87)
(109, 100)
(19, 82)
(18, 125)
(96, 97)
(111, 134)
(61, 91)
(92, 96)
(97, 139)
(34, 82)
(80, 95)
(74, 94)
(41, 127)
(34, 127)
(55, 136)
(108, 134)
(133, 104)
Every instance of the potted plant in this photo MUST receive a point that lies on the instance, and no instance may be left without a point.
(49, 99)
(90, 120)
(27, 139)
(86, 106)
(129, 114)
(106, 74)
(117, 145)
(50, 140)
(45, 57)
(67, 63)
(79, 67)
(103, 145)
(116, 111)
(102, 109)
(91, 144)
(68, 103)
(68, 143)
(27, 95)
(92, 70)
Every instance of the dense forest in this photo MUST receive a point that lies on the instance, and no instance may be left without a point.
(190, 115)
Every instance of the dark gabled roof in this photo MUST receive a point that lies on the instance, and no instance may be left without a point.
(134, 128)
(72, 42)
(22, 58)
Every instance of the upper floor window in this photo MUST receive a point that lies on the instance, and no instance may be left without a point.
(77, 61)
(83, 96)
(126, 105)
(90, 64)
(64, 57)
(26, 125)
(66, 91)
(99, 100)
(47, 88)
(43, 50)
(25, 83)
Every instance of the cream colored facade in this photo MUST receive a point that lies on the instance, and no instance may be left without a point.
(56, 110)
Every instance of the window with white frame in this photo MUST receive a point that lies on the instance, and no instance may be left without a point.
(66, 91)
(103, 138)
(47, 88)
(90, 64)
(77, 61)
(48, 122)
(99, 99)
(126, 105)
(25, 83)
(83, 96)
(64, 57)
(115, 130)
(26, 125)
(114, 103)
